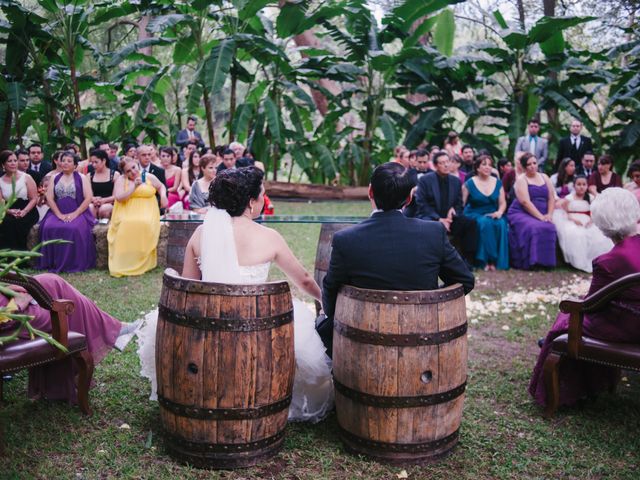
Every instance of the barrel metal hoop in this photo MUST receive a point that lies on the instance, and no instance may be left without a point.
(422, 447)
(224, 413)
(183, 444)
(224, 324)
(399, 340)
(399, 402)
(209, 288)
(404, 297)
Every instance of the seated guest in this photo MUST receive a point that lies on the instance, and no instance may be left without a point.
(467, 159)
(173, 176)
(199, 196)
(69, 218)
(452, 144)
(388, 251)
(562, 180)
(439, 198)
(114, 159)
(634, 175)
(579, 239)
(38, 167)
(587, 166)
(130, 150)
(615, 212)
(423, 163)
(190, 173)
(23, 160)
(21, 214)
(228, 160)
(504, 167)
(532, 235)
(603, 177)
(56, 381)
(485, 202)
(102, 182)
(147, 160)
(134, 229)
(454, 168)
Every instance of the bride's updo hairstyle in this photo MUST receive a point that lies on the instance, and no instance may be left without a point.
(232, 189)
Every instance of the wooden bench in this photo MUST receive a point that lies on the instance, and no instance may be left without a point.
(22, 354)
(577, 346)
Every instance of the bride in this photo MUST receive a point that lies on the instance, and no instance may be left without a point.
(229, 247)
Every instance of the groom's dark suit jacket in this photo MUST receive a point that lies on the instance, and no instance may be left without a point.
(389, 251)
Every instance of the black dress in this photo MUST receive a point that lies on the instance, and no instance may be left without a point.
(13, 230)
(102, 189)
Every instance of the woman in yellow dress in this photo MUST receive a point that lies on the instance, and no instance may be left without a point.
(134, 229)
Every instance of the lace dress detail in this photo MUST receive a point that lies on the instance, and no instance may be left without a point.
(63, 191)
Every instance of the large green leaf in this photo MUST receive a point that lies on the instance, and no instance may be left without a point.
(147, 95)
(325, 158)
(194, 98)
(273, 119)
(425, 122)
(118, 57)
(548, 27)
(241, 119)
(425, 27)
(161, 23)
(218, 64)
(87, 117)
(290, 18)
(444, 33)
(386, 125)
(404, 15)
(16, 96)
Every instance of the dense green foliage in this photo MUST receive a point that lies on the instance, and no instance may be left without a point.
(320, 85)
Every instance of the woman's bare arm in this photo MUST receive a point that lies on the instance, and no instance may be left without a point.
(190, 267)
(293, 269)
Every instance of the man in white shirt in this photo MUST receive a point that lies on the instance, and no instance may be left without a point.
(189, 134)
(574, 146)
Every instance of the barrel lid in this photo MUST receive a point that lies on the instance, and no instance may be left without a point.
(172, 280)
(418, 297)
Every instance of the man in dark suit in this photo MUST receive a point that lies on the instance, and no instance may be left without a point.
(439, 198)
(38, 168)
(189, 135)
(146, 157)
(389, 251)
(574, 146)
(588, 164)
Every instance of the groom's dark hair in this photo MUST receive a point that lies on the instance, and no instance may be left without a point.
(391, 185)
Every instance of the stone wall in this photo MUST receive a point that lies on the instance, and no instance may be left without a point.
(102, 248)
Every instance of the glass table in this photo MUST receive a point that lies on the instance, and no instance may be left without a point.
(182, 225)
(198, 218)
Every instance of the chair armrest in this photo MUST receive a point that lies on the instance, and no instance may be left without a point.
(32, 286)
(60, 310)
(597, 301)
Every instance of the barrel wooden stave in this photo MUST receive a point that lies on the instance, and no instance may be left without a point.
(323, 252)
(235, 370)
(396, 372)
(177, 239)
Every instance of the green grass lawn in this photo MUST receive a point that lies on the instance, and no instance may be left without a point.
(503, 435)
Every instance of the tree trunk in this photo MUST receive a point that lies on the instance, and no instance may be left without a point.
(77, 107)
(209, 115)
(143, 82)
(549, 9)
(6, 129)
(521, 15)
(232, 105)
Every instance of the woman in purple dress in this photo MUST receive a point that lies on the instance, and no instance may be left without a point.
(532, 234)
(615, 212)
(69, 218)
(55, 381)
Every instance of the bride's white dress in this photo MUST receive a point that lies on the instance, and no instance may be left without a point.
(312, 387)
(580, 244)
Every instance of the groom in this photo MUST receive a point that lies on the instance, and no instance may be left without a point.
(389, 251)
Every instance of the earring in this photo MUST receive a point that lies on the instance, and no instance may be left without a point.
(251, 210)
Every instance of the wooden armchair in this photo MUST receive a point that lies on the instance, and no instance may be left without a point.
(31, 353)
(579, 347)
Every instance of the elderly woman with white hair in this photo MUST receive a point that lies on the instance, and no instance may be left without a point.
(615, 212)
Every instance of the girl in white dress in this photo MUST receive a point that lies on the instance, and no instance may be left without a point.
(230, 247)
(580, 240)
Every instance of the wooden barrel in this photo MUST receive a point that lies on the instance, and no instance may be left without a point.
(400, 371)
(225, 365)
(177, 239)
(323, 252)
